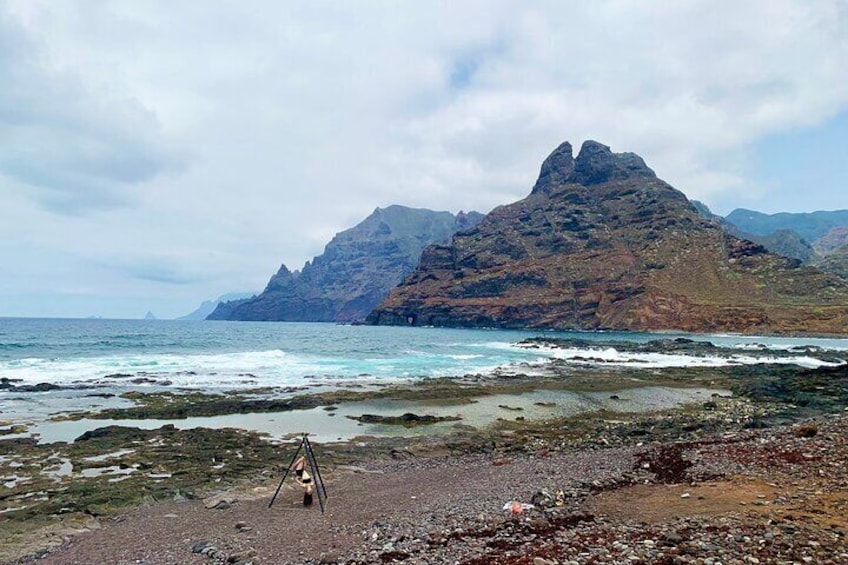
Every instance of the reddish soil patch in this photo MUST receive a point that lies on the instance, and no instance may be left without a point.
(659, 502)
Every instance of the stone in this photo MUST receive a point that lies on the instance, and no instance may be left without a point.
(219, 502)
(200, 546)
(542, 499)
(240, 556)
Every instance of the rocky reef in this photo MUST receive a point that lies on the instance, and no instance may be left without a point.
(602, 243)
(356, 271)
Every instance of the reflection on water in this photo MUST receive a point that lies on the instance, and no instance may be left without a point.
(326, 426)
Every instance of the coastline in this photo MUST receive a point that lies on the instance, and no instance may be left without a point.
(62, 495)
(715, 496)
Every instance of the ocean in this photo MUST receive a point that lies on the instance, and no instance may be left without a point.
(232, 355)
(94, 361)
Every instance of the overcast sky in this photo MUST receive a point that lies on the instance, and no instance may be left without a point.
(155, 154)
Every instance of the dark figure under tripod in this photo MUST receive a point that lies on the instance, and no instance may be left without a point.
(303, 477)
(305, 481)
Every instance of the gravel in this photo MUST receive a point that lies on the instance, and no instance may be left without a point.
(784, 500)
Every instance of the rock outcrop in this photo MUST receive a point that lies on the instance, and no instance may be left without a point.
(356, 271)
(602, 243)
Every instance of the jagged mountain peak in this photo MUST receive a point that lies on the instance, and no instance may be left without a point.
(608, 245)
(595, 164)
(556, 169)
(356, 270)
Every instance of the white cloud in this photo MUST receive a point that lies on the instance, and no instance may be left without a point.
(211, 141)
(73, 144)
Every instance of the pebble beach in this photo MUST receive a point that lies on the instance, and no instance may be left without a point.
(758, 496)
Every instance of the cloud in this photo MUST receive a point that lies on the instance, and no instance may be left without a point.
(223, 139)
(165, 275)
(76, 145)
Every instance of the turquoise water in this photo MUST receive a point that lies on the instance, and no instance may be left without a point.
(96, 360)
(224, 354)
(247, 354)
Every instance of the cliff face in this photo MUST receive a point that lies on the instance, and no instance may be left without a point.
(602, 243)
(356, 271)
(208, 306)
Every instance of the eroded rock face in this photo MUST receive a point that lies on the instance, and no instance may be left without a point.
(602, 243)
(356, 271)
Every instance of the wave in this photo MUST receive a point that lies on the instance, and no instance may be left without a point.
(614, 357)
(250, 369)
(367, 361)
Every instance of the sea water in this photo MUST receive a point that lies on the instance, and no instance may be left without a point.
(231, 355)
(93, 359)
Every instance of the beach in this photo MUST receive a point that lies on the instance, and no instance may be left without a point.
(760, 496)
(665, 449)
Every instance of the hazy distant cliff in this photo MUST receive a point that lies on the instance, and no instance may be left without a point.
(208, 306)
(602, 243)
(814, 238)
(356, 271)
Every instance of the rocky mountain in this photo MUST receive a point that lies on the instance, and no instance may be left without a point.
(356, 271)
(809, 225)
(831, 241)
(208, 306)
(783, 241)
(602, 243)
(827, 233)
(835, 261)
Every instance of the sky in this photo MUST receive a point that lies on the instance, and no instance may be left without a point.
(156, 154)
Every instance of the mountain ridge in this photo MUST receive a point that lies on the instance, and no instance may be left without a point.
(354, 273)
(809, 225)
(602, 243)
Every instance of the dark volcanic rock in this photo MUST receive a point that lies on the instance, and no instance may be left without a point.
(602, 243)
(356, 271)
(407, 420)
(596, 164)
(40, 387)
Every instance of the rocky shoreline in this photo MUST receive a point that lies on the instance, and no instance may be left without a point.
(701, 479)
(777, 495)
